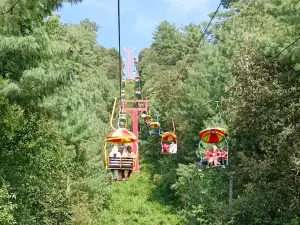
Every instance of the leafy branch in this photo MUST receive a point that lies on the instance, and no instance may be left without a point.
(11, 8)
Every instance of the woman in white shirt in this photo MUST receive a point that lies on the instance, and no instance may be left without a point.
(114, 153)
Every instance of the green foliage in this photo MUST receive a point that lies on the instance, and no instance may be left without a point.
(83, 112)
(271, 148)
(57, 85)
(7, 207)
(258, 91)
(34, 164)
(131, 203)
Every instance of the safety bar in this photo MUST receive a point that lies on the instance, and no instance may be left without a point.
(121, 163)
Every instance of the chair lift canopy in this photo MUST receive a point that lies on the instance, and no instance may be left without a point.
(121, 136)
(154, 125)
(147, 117)
(168, 136)
(213, 135)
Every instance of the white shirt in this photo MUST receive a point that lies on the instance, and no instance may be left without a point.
(118, 154)
(115, 151)
(173, 148)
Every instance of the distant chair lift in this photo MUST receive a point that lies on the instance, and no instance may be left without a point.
(168, 137)
(154, 128)
(215, 135)
(147, 118)
(122, 120)
(122, 94)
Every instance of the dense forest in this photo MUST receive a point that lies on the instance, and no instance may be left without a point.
(57, 87)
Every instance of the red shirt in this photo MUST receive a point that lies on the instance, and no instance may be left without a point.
(208, 155)
(215, 152)
(224, 154)
(166, 148)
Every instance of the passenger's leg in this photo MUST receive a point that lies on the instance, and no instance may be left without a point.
(113, 174)
(129, 173)
(216, 161)
(121, 174)
(210, 161)
(201, 164)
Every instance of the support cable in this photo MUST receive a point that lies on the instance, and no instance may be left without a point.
(291, 44)
(120, 58)
(199, 45)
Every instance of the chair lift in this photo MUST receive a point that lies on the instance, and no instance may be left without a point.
(144, 114)
(154, 128)
(120, 136)
(214, 136)
(141, 105)
(166, 138)
(137, 79)
(123, 72)
(122, 94)
(122, 120)
(147, 118)
(138, 93)
(137, 82)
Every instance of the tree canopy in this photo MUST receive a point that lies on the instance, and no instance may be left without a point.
(57, 86)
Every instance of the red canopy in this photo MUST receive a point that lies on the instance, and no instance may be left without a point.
(213, 135)
(121, 136)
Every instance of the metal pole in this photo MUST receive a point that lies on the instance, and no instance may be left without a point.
(129, 52)
(230, 188)
(135, 130)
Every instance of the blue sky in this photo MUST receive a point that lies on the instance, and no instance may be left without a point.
(139, 18)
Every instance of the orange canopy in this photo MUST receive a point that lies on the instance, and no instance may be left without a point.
(154, 125)
(213, 135)
(168, 136)
(147, 117)
(121, 136)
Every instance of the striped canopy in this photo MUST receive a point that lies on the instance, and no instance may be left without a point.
(213, 135)
(168, 136)
(154, 125)
(121, 136)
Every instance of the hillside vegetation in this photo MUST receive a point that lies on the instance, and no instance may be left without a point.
(57, 87)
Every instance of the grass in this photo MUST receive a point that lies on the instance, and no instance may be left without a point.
(131, 204)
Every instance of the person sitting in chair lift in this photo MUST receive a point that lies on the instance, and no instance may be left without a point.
(224, 157)
(215, 155)
(114, 153)
(130, 154)
(173, 148)
(166, 148)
